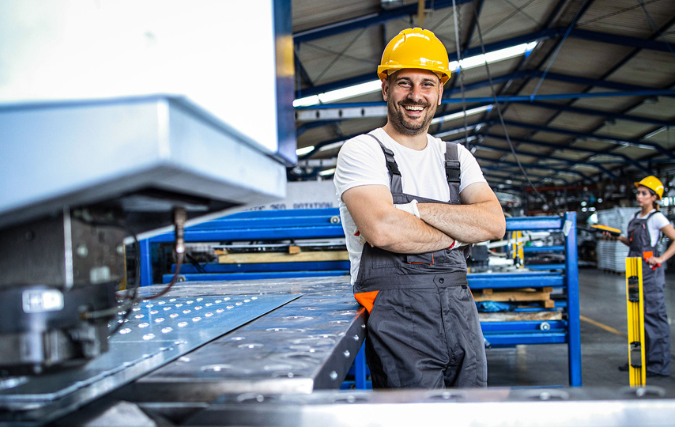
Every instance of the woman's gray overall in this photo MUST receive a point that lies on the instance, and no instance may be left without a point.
(657, 330)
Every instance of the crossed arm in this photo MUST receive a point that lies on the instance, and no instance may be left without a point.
(478, 219)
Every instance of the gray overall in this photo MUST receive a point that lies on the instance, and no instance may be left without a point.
(657, 330)
(423, 329)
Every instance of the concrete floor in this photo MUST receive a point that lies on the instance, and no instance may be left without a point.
(602, 300)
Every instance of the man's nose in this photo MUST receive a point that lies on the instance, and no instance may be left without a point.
(415, 93)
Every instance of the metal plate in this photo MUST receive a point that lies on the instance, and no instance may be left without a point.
(308, 344)
(467, 407)
(157, 332)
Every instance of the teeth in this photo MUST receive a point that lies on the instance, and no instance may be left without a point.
(414, 108)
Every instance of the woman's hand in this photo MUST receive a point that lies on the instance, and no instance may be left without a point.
(608, 235)
(654, 261)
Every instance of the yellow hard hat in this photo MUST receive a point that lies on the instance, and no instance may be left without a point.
(653, 184)
(415, 48)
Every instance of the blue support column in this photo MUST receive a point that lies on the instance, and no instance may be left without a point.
(572, 282)
(146, 263)
(360, 369)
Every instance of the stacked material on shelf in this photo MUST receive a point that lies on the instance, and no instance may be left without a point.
(617, 217)
(612, 254)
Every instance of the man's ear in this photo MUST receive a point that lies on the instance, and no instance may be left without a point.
(385, 89)
(440, 93)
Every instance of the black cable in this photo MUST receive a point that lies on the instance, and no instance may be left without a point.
(195, 263)
(501, 120)
(180, 217)
(461, 72)
(130, 292)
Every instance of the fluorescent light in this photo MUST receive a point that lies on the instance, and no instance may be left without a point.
(376, 85)
(327, 172)
(461, 114)
(304, 150)
(332, 146)
(656, 132)
(338, 94)
(498, 55)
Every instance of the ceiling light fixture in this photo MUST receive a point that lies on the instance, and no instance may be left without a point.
(332, 146)
(375, 85)
(304, 150)
(460, 114)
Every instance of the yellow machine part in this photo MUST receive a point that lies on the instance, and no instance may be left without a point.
(517, 248)
(123, 283)
(637, 364)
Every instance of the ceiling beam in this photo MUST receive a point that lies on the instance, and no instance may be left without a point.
(549, 157)
(448, 92)
(601, 113)
(569, 148)
(371, 19)
(560, 131)
(534, 167)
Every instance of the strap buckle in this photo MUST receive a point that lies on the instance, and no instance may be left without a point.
(452, 170)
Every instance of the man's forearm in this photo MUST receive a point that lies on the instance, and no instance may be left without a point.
(473, 223)
(402, 232)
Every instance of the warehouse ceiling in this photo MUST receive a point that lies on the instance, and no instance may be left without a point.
(587, 96)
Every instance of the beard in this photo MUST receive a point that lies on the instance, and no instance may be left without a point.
(405, 126)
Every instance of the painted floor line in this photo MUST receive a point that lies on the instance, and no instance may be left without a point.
(603, 326)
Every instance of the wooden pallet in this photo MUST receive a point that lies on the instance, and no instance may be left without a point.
(291, 256)
(540, 295)
(519, 317)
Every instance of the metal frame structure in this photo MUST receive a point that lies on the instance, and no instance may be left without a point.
(554, 30)
(257, 226)
(324, 223)
(542, 332)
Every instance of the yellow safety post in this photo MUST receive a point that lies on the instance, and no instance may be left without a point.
(517, 249)
(637, 365)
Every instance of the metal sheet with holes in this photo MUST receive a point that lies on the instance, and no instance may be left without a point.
(306, 345)
(157, 332)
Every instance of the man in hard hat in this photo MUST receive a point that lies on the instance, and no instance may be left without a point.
(643, 234)
(407, 201)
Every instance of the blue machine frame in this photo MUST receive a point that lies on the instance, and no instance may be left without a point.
(325, 223)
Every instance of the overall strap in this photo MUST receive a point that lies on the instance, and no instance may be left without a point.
(452, 171)
(660, 235)
(392, 167)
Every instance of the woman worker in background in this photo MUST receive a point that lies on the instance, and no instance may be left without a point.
(643, 235)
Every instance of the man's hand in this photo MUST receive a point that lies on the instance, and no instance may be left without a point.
(478, 219)
(384, 226)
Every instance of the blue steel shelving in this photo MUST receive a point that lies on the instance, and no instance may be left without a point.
(324, 223)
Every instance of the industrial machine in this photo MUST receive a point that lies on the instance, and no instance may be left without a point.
(105, 135)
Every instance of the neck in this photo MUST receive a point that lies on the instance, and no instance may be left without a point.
(415, 142)
(646, 210)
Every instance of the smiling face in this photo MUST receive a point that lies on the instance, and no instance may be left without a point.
(412, 98)
(645, 197)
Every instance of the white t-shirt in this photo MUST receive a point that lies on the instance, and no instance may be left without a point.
(361, 162)
(655, 224)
